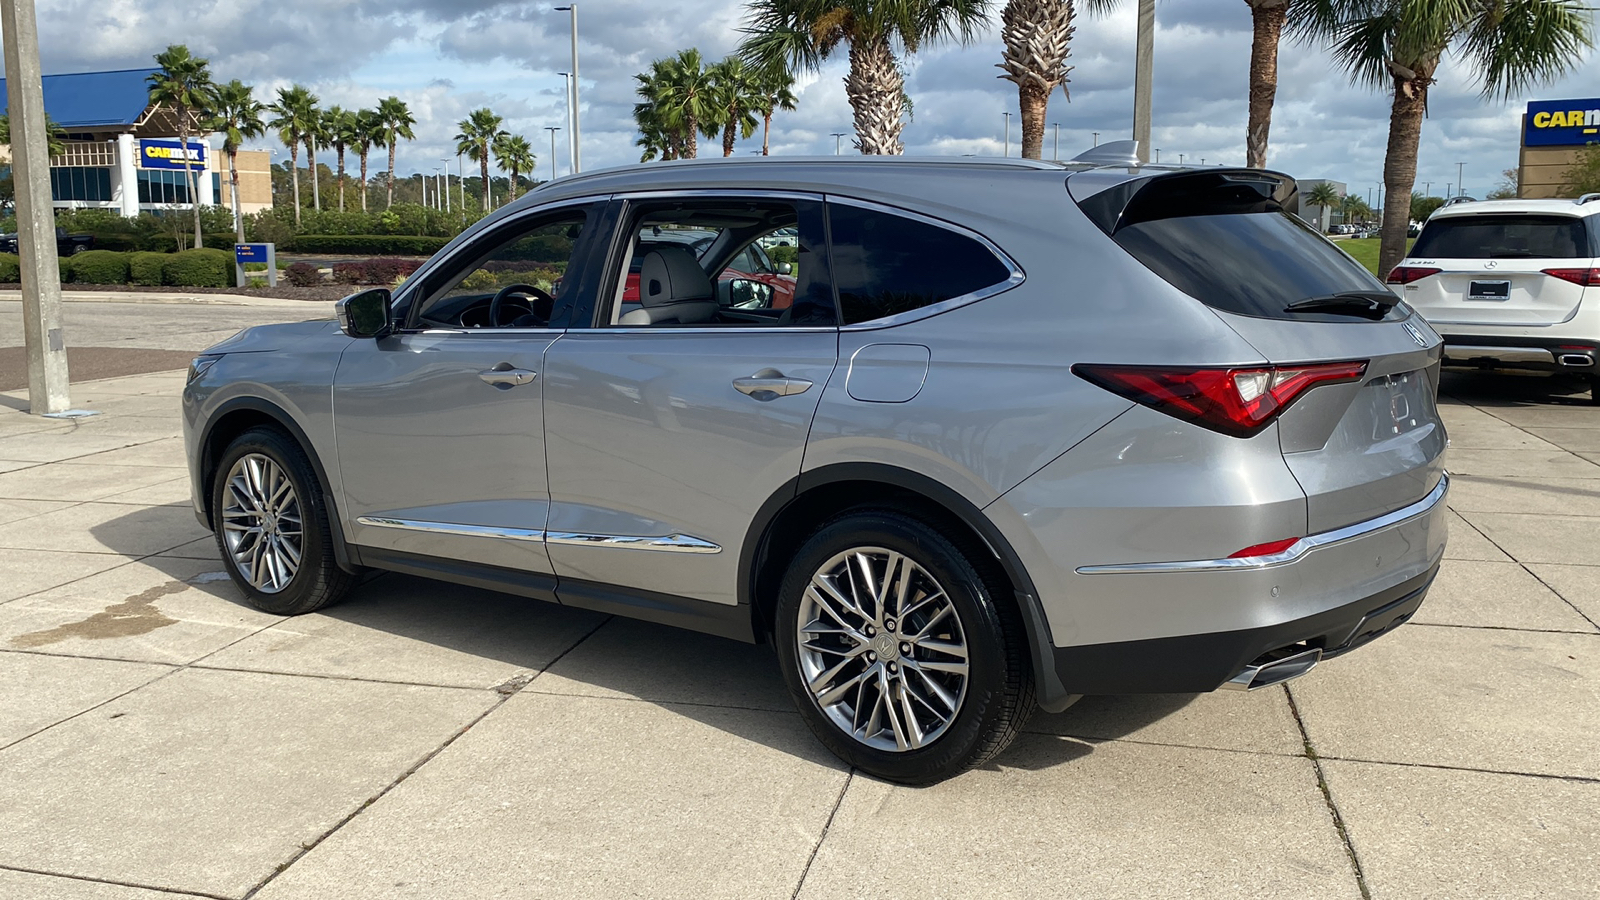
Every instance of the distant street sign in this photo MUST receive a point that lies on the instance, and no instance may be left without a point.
(160, 153)
(256, 253)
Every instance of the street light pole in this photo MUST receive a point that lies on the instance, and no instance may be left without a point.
(572, 95)
(1144, 73)
(836, 136)
(1461, 186)
(568, 77)
(36, 233)
(461, 181)
(1096, 138)
(552, 129)
(1158, 154)
(446, 161)
(1056, 154)
(1006, 147)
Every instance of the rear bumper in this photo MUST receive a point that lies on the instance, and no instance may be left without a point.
(1519, 353)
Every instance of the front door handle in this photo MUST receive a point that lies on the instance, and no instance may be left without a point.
(506, 376)
(772, 383)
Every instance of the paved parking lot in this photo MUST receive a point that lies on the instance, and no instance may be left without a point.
(423, 740)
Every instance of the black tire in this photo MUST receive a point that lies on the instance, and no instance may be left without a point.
(998, 692)
(318, 580)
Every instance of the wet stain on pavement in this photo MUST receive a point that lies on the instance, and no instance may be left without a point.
(132, 617)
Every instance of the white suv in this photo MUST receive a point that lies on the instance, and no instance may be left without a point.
(1511, 284)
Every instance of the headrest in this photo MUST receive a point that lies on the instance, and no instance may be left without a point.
(672, 275)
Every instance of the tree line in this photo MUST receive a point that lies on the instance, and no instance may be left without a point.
(1394, 46)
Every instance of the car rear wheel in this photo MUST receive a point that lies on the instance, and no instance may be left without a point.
(900, 648)
(272, 527)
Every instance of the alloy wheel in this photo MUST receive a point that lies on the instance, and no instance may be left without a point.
(882, 649)
(261, 523)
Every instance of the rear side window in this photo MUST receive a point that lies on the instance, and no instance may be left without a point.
(1227, 240)
(886, 264)
(1504, 237)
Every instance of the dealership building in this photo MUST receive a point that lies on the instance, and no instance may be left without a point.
(1553, 132)
(122, 153)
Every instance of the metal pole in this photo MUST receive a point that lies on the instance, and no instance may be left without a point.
(1158, 154)
(552, 129)
(1427, 189)
(1056, 154)
(572, 93)
(836, 136)
(568, 95)
(445, 160)
(1144, 73)
(36, 233)
(1006, 147)
(1461, 186)
(461, 181)
(1096, 138)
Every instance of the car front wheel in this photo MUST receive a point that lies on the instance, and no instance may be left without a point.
(901, 651)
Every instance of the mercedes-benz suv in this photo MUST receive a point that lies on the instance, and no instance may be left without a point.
(1024, 432)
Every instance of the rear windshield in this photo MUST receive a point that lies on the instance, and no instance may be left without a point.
(1504, 237)
(1254, 264)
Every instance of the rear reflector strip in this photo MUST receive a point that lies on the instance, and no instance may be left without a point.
(1298, 549)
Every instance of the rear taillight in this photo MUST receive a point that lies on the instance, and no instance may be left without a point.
(1584, 277)
(1238, 402)
(1408, 274)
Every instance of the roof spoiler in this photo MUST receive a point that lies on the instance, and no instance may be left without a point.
(1190, 192)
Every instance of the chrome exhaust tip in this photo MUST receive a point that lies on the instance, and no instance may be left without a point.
(1267, 671)
(1576, 360)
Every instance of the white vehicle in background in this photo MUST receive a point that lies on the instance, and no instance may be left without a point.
(1511, 285)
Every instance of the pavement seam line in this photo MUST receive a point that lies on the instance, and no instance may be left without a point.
(130, 560)
(1510, 627)
(823, 837)
(1496, 545)
(502, 699)
(133, 884)
(1576, 779)
(1327, 798)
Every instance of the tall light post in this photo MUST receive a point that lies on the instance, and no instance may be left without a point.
(568, 77)
(1461, 186)
(1056, 154)
(36, 234)
(461, 180)
(1096, 138)
(1427, 189)
(572, 95)
(445, 161)
(1180, 159)
(1005, 149)
(836, 136)
(1144, 73)
(438, 190)
(552, 129)
(1158, 154)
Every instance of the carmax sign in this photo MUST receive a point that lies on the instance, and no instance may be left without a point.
(1561, 123)
(157, 153)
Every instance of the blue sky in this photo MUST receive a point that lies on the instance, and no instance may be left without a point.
(446, 57)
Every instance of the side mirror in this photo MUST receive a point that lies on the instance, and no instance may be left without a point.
(785, 269)
(365, 315)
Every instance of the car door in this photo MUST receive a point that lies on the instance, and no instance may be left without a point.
(440, 426)
(665, 438)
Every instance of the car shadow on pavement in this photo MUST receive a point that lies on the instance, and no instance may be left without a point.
(1502, 390)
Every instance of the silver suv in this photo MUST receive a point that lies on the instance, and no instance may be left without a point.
(1019, 432)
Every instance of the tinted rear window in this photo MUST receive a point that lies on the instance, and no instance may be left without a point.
(1504, 237)
(885, 264)
(1252, 263)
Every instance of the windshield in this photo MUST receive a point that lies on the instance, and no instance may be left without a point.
(1504, 237)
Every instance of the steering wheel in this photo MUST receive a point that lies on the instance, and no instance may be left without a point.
(541, 304)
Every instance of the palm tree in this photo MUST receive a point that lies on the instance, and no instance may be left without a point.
(343, 131)
(479, 131)
(514, 156)
(1510, 45)
(1325, 197)
(777, 92)
(183, 84)
(368, 133)
(655, 139)
(395, 121)
(1037, 35)
(55, 136)
(293, 115)
(807, 32)
(316, 135)
(237, 116)
(1267, 18)
(680, 93)
(736, 90)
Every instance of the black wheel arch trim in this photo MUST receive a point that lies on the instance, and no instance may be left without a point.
(1052, 694)
(341, 550)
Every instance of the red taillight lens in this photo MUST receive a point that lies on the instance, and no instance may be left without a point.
(1584, 277)
(1268, 549)
(1408, 274)
(1238, 402)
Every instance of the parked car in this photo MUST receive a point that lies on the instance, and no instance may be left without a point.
(1512, 284)
(66, 244)
(1026, 432)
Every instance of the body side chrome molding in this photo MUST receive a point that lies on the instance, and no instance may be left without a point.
(1298, 549)
(672, 543)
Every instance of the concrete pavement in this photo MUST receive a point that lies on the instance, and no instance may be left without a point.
(158, 737)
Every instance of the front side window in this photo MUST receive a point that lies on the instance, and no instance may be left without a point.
(886, 264)
(514, 281)
(699, 264)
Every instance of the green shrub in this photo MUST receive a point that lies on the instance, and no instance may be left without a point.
(65, 264)
(146, 268)
(100, 267)
(10, 268)
(303, 274)
(785, 254)
(199, 268)
(367, 244)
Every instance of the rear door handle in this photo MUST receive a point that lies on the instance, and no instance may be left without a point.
(507, 377)
(771, 381)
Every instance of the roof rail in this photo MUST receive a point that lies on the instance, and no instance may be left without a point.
(1461, 199)
(1586, 198)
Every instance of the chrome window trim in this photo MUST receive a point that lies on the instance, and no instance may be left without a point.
(1300, 548)
(1017, 277)
(672, 543)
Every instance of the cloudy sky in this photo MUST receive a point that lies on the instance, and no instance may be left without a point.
(446, 57)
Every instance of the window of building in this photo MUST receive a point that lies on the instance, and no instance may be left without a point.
(159, 186)
(886, 264)
(85, 183)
